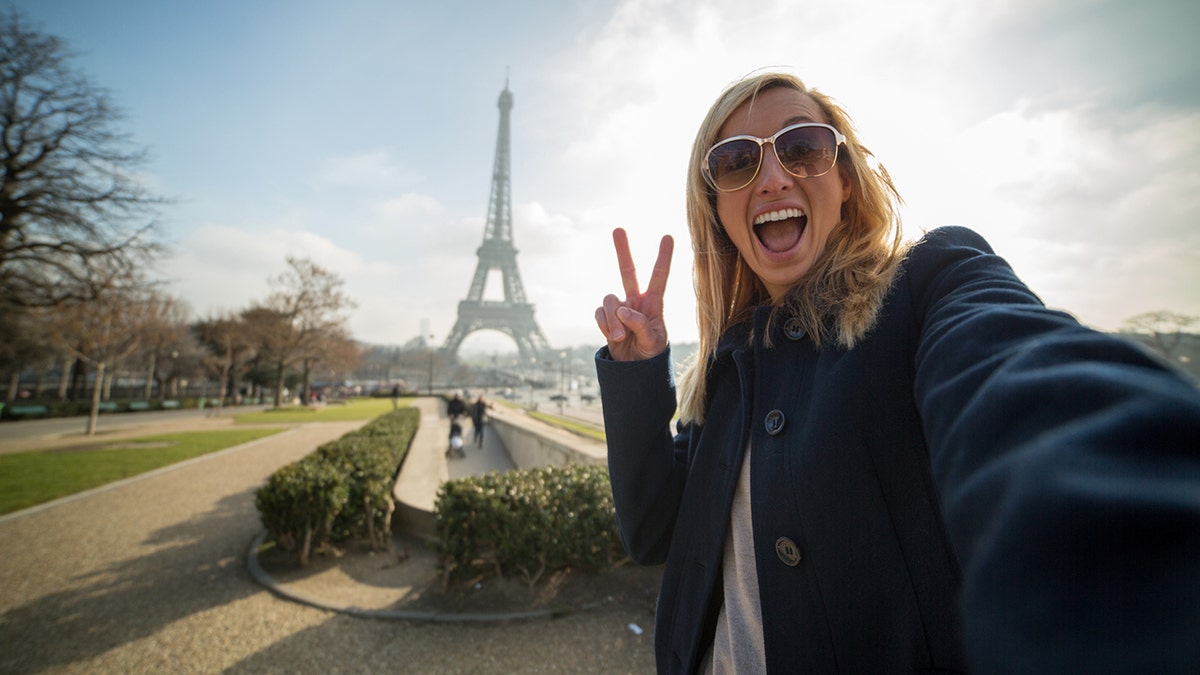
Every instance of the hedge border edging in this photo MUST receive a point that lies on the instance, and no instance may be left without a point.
(267, 581)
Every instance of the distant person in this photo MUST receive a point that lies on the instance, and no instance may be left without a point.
(457, 406)
(479, 418)
(395, 396)
(890, 456)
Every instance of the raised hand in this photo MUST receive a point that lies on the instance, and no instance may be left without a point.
(634, 327)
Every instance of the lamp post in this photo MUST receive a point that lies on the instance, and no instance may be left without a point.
(529, 381)
(562, 401)
(429, 384)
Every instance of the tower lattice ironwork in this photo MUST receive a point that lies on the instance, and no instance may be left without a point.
(514, 315)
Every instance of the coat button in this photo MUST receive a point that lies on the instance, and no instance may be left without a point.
(787, 551)
(774, 422)
(794, 329)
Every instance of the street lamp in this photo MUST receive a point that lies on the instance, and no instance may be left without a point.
(529, 381)
(562, 402)
(429, 385)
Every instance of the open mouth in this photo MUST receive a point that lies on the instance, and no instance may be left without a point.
(780, 231)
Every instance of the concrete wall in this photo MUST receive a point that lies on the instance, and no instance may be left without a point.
(529, 443)
(532, 443)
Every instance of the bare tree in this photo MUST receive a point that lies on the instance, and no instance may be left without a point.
(1166, 329)
(303, 308)
(69, 192)
(104, 330)
(333, 353)
(229, 346)
(22, 342)
(168, 349)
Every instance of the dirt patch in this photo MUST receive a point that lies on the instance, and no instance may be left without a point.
(408, 578)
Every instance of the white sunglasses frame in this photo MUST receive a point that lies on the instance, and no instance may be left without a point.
(838, 140)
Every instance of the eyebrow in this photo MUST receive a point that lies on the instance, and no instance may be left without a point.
(797, 120)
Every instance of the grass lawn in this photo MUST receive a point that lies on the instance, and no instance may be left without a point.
(574, 426)
(30, 478)
(581, 428)
(349, 411)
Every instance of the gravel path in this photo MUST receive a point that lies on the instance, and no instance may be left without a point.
(150, 576)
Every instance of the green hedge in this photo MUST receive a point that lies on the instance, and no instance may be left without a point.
(527, 522)
(341, 492)
(83, 407)
(299, 503)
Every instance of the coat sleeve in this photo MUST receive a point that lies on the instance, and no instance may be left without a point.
(1069, 467)
(645, 464)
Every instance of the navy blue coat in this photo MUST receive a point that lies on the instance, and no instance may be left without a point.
(980, 484)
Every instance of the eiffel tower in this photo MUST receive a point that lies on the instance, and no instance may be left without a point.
(514, 315)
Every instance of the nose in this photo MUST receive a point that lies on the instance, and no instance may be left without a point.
(772, 177)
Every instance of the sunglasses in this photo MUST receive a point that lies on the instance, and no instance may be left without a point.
(804, 150)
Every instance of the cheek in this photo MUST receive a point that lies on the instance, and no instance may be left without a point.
(728, 211)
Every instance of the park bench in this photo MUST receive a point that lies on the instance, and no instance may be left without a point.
(138, 406)
(23, 410)
(107, 406)
(169, 405)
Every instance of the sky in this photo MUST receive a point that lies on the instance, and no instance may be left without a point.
(361, 134)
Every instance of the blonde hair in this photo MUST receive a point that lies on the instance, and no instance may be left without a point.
(846, 284)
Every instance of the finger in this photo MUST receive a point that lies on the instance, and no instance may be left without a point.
(633, 320)
(602, 323)
(662, 266)
(625, 263)
(615, 328)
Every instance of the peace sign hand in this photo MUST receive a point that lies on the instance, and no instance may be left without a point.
(634, 328)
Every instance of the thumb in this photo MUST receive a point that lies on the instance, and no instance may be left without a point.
(635, 321)
(638, 325)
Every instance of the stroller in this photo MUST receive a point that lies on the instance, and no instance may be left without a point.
(456, 439)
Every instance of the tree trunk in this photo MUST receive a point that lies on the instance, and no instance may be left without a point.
(39, 385)
(150, 373)
(370, 522)
(78, 378)
(279, 387)
(94, 415)
(307, 547)
(14, 383)
(64, 379)
(224, 382)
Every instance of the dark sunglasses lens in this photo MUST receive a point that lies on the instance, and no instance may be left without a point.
(807, 151)
(732, 165)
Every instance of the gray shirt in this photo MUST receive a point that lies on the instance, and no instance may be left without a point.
(738, 644)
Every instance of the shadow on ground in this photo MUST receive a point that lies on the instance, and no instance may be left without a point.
(408, 578)
(107, 608)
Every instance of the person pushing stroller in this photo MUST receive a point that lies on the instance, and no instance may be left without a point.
(456, 409)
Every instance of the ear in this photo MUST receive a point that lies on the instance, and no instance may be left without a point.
(845, 176)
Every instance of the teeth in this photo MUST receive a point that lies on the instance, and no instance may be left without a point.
(778, 215)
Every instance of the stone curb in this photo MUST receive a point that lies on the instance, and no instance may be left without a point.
(269, 582)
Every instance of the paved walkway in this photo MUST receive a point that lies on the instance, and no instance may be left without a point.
(426, 466)
(150, 575)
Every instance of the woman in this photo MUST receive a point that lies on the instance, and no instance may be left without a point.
(479, 418)
(888, 458)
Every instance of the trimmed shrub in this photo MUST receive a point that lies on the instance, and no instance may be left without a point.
(299, 503)
(527, 522)
(342, 491)
(371, 462)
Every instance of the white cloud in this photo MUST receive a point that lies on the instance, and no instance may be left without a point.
(1094, 201)
(405, 206)
(219, 268)
(1097, 218)
(371, 169)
